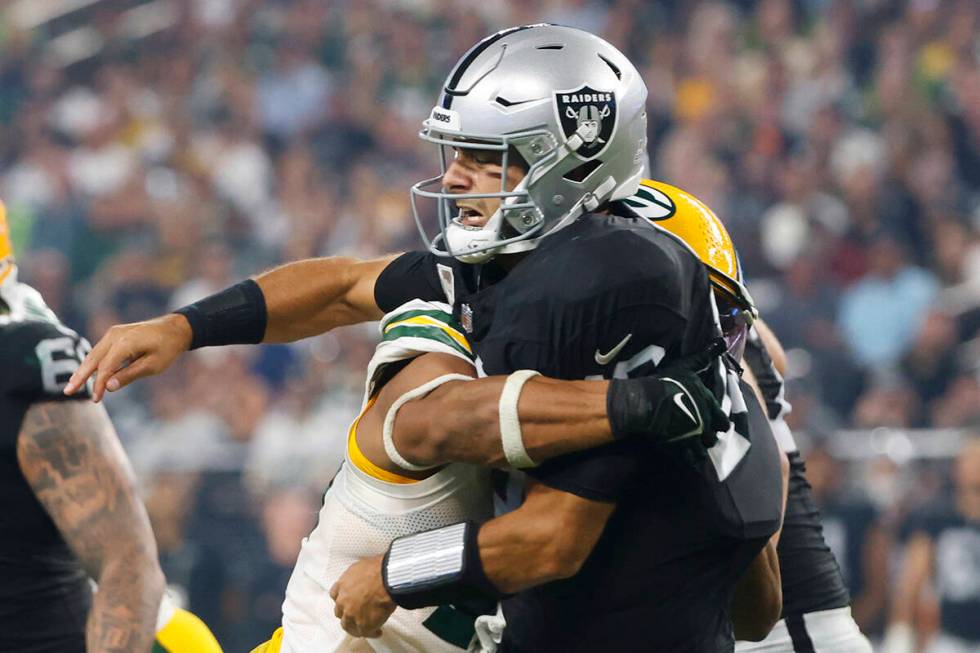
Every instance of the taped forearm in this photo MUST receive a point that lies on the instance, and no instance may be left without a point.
(460, 422)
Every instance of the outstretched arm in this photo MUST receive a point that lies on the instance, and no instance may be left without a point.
(301, 299)
(69, 453)
(307, 298)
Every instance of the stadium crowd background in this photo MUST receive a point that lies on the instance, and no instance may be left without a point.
(155, 151)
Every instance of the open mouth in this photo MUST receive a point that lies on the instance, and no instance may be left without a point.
(470, 217)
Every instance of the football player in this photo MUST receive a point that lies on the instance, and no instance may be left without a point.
(816, 614)
(943, 552)
(546, 270)
(394, 482)
(71, 512)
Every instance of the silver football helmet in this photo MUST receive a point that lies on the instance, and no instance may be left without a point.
(569, 103)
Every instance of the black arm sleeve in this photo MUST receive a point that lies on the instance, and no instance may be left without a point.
(412, 275)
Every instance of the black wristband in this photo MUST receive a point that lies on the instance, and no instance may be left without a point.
(631, 407)
(235, 316)
(417, 586)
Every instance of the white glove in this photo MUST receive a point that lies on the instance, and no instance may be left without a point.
(489, 632)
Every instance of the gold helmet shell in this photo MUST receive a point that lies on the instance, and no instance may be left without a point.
(690, 219)
(6, 246)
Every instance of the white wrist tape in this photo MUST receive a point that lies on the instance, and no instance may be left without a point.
(510, 422)
(387, 432)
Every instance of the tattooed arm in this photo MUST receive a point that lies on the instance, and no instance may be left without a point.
(70, 455)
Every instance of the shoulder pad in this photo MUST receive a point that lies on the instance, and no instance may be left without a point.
(415, 328)
(417, 323)
(38, 357)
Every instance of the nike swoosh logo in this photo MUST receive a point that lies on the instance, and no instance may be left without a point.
(678, 399)
(605, 359)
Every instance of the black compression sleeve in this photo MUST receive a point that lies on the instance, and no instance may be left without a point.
(235, 316)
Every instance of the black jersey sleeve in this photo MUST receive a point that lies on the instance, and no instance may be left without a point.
(37, 358)
(413, 275)
(770, 381)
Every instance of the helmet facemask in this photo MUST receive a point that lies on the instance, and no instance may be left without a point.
(736, 310)
(520, 220)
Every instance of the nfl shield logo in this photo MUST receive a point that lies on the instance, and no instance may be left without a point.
(589, 113)
(466, 317)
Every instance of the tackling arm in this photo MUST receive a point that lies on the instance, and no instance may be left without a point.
(470, 421)
(459, 421)
(69, 453)
(549, 537)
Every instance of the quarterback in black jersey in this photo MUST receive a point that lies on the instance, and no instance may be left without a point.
(664, 557)
(816, 613)
(70, 510)
(548, 271)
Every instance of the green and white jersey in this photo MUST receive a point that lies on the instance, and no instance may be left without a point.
(416, 327)
(366, 507)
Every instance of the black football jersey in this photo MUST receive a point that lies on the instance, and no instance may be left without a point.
(956, 559)
(811, 577)
(44, 593)
(661, 575)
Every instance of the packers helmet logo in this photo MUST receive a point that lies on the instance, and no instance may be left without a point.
(652, 203)
(590, 114)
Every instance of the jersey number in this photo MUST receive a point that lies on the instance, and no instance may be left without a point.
(59, 358)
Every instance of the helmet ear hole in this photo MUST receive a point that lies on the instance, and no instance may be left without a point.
(582, 172)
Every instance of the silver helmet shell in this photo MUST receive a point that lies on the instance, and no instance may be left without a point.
(573, 107)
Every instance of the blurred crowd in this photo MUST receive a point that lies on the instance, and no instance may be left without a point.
(155, 151)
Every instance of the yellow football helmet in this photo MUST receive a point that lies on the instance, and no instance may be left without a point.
(690, 219)
(6, 246)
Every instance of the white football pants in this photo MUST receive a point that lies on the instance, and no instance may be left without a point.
(827, 631)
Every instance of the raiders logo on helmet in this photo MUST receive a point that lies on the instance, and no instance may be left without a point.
(589, 113)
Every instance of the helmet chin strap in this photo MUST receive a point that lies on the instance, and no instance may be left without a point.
(588, 202)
